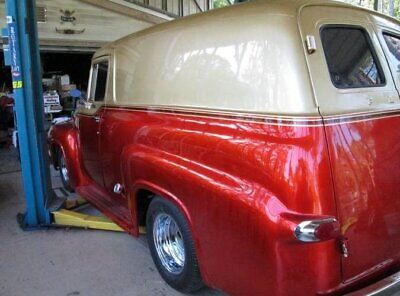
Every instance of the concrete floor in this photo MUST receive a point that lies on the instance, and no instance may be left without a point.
(69, 262)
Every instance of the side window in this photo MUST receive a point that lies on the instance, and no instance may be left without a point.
(99, 81)
(351, 59)
(393, 43)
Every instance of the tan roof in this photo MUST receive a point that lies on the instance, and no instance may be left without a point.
(247, 57)
(245, 10)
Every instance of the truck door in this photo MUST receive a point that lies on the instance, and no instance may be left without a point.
(360, 106)
(89, 120)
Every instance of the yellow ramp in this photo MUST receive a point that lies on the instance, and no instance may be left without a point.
(64, 217)
(71, 218)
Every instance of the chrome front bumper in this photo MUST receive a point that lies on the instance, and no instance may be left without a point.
(387, 286)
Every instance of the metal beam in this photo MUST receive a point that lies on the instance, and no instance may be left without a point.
(198, 5)
(25, 66)
(180, 8)
(131, 9)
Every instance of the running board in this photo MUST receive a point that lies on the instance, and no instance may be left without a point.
(69, 216)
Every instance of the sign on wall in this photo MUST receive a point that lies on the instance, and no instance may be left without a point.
(68, 23)
(14, 50)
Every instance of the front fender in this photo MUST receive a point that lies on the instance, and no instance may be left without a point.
(65, 137)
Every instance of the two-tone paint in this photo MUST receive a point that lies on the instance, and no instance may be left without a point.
(228, 116)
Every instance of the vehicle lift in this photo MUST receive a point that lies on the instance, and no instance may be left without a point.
(44, 207)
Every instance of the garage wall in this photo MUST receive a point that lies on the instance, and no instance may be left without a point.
(93, 25)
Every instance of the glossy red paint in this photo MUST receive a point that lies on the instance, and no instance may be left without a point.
(89, 128)
(365, 158)
(63, 138)
(243, 186)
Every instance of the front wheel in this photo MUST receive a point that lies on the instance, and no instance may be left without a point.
(64, 173)
(171, 246)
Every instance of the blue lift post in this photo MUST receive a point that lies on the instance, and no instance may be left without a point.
(26, 75)
(22, 54)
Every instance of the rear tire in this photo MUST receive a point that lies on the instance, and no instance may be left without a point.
(171, 246)
(64, 173)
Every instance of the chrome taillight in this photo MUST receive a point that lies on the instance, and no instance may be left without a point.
(317, 230)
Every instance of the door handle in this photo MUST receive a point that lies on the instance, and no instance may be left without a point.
(96, 118)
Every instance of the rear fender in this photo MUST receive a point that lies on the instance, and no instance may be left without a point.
(219, 208)
(158, 191)
(150, 169)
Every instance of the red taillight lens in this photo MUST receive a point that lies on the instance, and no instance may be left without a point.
(317, 230)
(327, 231)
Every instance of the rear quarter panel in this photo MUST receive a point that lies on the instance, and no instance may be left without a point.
(234, 178)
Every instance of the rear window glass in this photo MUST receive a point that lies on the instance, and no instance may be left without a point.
(351, 58)
(99, 81)
(393, 44)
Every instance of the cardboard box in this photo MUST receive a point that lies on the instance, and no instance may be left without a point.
(68, 87)
(64, 80)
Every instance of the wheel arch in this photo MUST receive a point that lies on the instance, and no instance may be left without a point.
(143, 189)
(142, 192)
(64, 138)
(54, 148)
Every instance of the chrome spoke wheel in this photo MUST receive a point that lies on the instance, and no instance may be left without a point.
(64, 170)
(169, 244)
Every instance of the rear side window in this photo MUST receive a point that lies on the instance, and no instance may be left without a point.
(99, 81)
(351, 58)
(393, 44)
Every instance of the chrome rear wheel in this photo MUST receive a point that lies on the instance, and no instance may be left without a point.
(169, 244)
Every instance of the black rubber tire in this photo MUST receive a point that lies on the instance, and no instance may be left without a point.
(61, 161)
(189, 280)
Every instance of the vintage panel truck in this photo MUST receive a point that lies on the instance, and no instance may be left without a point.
(259, 144)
